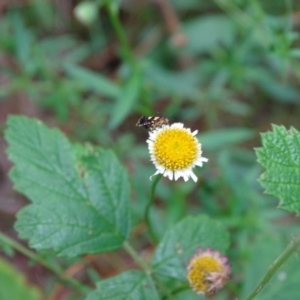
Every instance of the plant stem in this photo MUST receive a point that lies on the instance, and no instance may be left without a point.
(277, 263)
(112, 8)
(136, 257)
(30, 254)
(148, 207)
(113, 14)
(147, 269)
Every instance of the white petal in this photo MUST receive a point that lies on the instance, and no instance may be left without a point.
(177, 125)
(169, 174)
(185, 176)
(165, 174)
(151, 177)
(199, 161)
(154, 175)
(160, 169)
(194, 177)
(177, 175)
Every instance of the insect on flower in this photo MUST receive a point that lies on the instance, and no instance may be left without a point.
(151, 123)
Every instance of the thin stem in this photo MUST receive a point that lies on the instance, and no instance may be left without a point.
(113, 14)
(277, 263)
(147, 269)
(112, 8)
(30, 254)
(136, 257)
(148, 207)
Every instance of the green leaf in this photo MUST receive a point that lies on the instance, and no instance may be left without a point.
(92, 81)
(14, 286)
(7, 249)
(280, 156)
(181, 242)
(283, 92)
(80, 203)
(132, 285)
(126, 101)
(23, 42)
(45, 12)
(218, 139)
(207, 33)
(169, 82)
(235, 107)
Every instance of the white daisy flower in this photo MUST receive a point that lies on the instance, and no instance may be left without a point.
(175, 151)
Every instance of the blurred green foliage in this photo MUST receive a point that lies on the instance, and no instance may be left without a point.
(226, 68)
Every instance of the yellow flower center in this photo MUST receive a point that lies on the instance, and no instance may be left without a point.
(200, 268)
(175, 149)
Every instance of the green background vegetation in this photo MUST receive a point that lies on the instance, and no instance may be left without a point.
(229, 69)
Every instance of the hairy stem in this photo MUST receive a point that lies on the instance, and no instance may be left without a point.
(148, 207)
(147, 270)
(277, 263)
(112, 8)
(114, 18)
(32, 255)
(136, 257)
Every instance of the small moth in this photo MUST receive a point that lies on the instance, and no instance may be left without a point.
(151, 123)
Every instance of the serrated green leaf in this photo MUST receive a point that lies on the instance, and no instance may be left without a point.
(132, 285)
(80, 203)
(280, 156)
(14, 286)
(181, 242)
